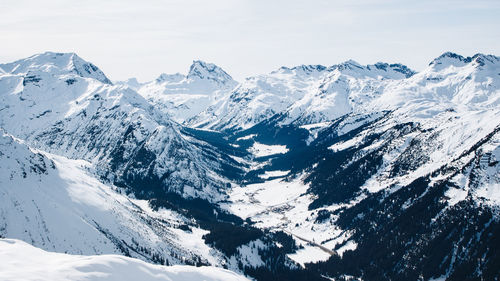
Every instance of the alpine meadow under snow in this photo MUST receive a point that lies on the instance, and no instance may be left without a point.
(342, 172)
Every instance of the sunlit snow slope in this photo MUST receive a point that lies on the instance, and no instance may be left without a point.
(20, 261)
(57, 204)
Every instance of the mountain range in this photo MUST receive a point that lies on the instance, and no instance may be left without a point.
(342, 172)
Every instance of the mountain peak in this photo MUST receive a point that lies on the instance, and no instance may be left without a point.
(482, 59)
(450, 58)
(56, 63)
(349, 64)
(380, 69)
(302, 69)
(170, 77)
(87, 69)
(397, 67)
(310, 67)
(208, 71)
(451, 55)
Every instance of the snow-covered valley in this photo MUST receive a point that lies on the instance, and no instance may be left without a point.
(369, 171)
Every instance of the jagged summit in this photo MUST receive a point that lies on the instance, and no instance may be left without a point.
(482, 59)
(199, 70)
(309, 68)
(304, 68)
(447, 59)
(349, 64)
(209, 71)
(451, 55)
(56, 63)
(184, 96)
(387, 70)
(406, 71)
(450, 58)
(177, 77)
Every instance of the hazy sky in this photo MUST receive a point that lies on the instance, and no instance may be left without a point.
(246, 37)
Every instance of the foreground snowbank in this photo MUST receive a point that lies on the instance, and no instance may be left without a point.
(21, 261)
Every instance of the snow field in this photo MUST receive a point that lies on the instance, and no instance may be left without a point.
(20, 261)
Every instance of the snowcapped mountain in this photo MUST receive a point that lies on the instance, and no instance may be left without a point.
(56, 109)
(449, 82)
(55, 64)
(407, 176)
(105, 141)
(314, 94)
(21, 261)
(184, 96)
(369, 172)
(308, 94)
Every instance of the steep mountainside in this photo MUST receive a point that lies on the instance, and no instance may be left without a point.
(66, 112)
(405, 186)
(57, 204)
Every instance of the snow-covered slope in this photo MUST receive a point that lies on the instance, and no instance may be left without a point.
(184, 96)
(450, 82)
(431, 118)
(57, 204)
(420, 195)
(21, 261)
(57, 109)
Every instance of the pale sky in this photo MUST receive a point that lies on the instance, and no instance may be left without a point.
(142, 39)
